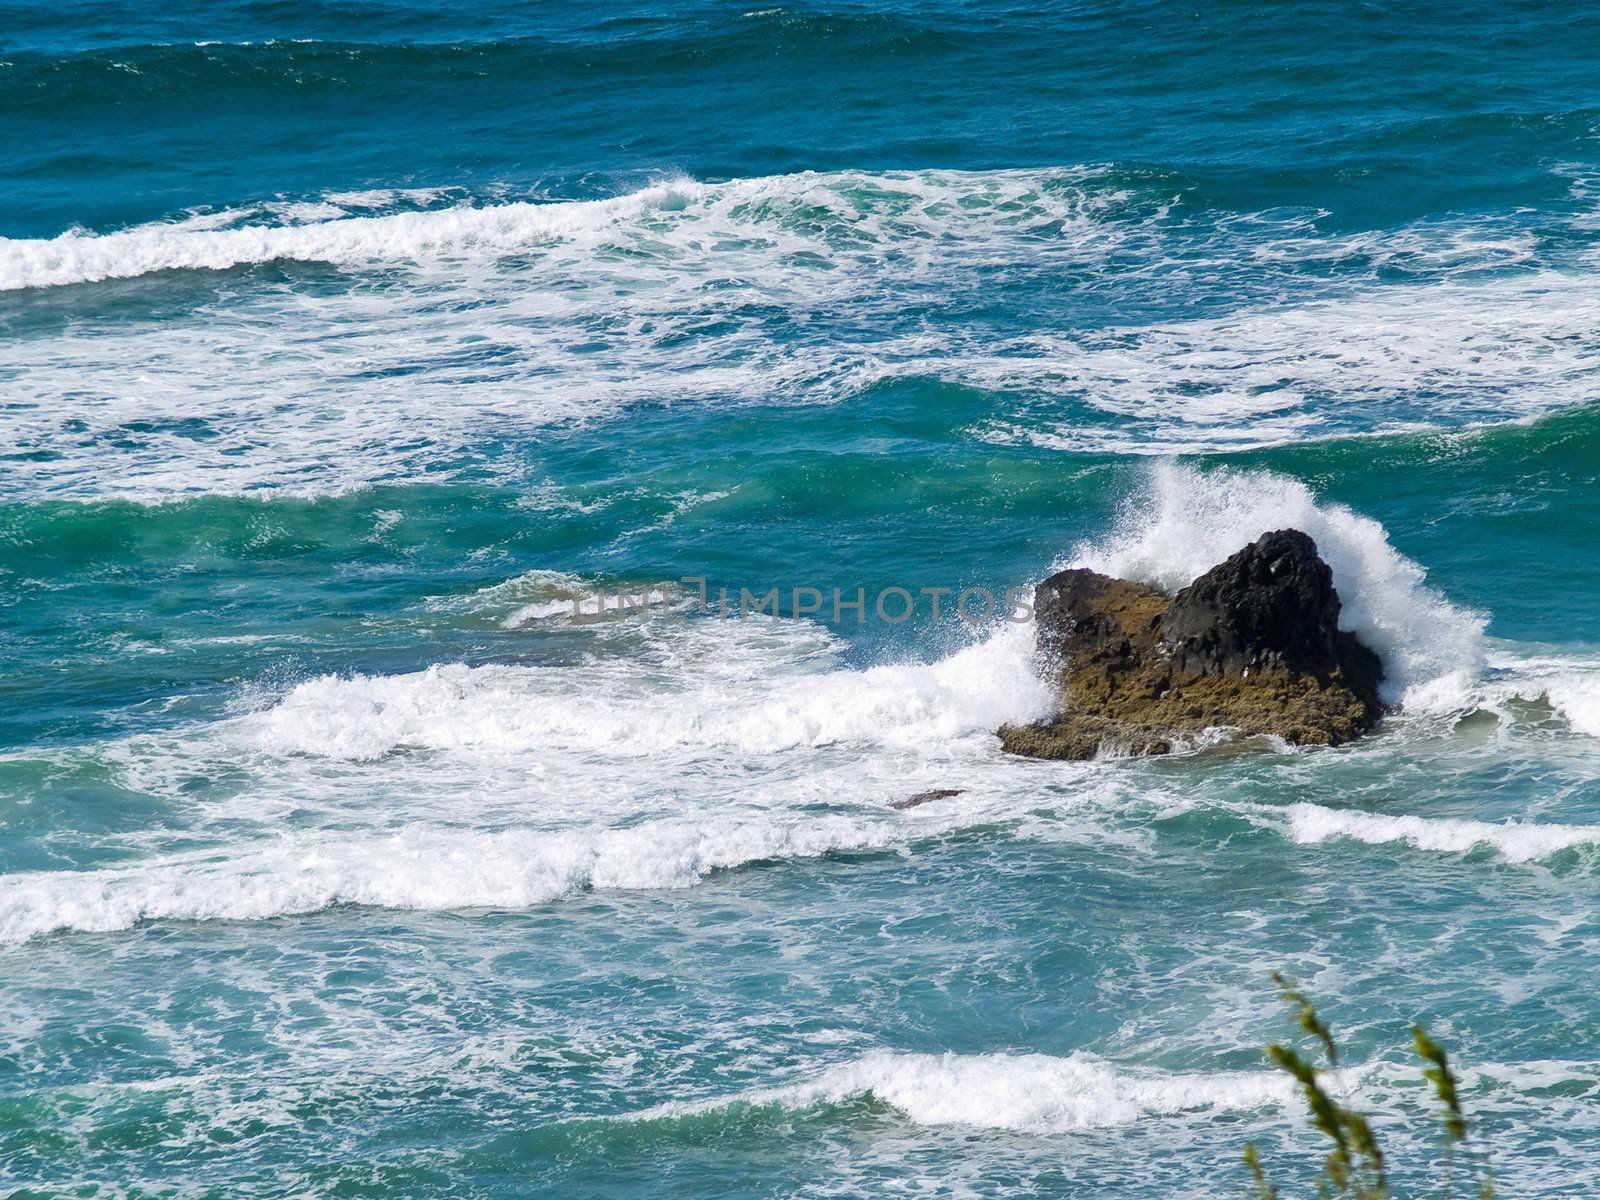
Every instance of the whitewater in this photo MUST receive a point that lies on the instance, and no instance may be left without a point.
(355, 358)
(734, 700)
(525, 316)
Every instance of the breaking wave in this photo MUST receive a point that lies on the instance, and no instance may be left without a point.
(840, 215)
(463, 321)
(1032, 1093)
(1185, 520)
(420, 868)
(749, 693)
(1514, 841)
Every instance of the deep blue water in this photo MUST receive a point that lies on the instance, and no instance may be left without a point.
(345, 347)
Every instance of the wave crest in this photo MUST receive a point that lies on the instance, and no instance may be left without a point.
(1184, 520)
(742, 689)
(807, 215)
(421, 868)
(1515, 842)
(1032, 1093)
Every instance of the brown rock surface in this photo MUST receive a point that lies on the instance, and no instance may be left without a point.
(1252, 645)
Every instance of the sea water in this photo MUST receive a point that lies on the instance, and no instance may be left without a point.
(347, 350)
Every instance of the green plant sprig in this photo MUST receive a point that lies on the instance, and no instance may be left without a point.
(1355, 1168)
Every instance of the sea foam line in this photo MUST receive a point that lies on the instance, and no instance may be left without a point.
(1312, 823)
(740, 690)
(781, 212)
(78, 257)
(503, 318)
(427, 868)
(1032, 1093)
(425, 865)
(439, 869)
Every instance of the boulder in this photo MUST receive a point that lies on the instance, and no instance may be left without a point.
(927, 797)
(1253, 645)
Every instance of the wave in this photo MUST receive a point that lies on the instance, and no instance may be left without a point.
(464, 328)
(650, 709)
(635, 843)
(556, 596)
(1514, 841)
(1577, 698)
(464, 321)
(1569, 685)
(433, 868)
(1184, 520)
(1410, 357)
(1030, 1093)
(754, 693)
(1044, 1094)
(427, 868)
(241, 69)
(77, 257)
(798, 214)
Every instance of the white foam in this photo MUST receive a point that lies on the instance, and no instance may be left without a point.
(1404, 357)
(1186, 520)
(539, 596)
(1513, 841)
(455, 331)
(654, 715)
(1568, 682)
(1032, 1093)
(678, 213)
(82, 257)
(750, 686)
(1570, 685)
(1577, 698)
(422, 867)
(589, 606)
(467, 323)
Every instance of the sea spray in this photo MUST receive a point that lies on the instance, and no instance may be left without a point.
(1183, 519)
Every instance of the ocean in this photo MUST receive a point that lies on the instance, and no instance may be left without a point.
(354, 353)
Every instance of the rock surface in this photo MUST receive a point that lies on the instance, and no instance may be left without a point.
(1252, 645)
(927, 797)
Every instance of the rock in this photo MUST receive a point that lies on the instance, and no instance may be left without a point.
(1252, 645)
(925, 797)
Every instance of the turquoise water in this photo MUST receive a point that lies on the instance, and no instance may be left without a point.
(347, 347)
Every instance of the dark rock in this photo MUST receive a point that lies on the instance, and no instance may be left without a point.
(1272, 604)
(925, 797)
(1081, 612)
(1253, 645)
